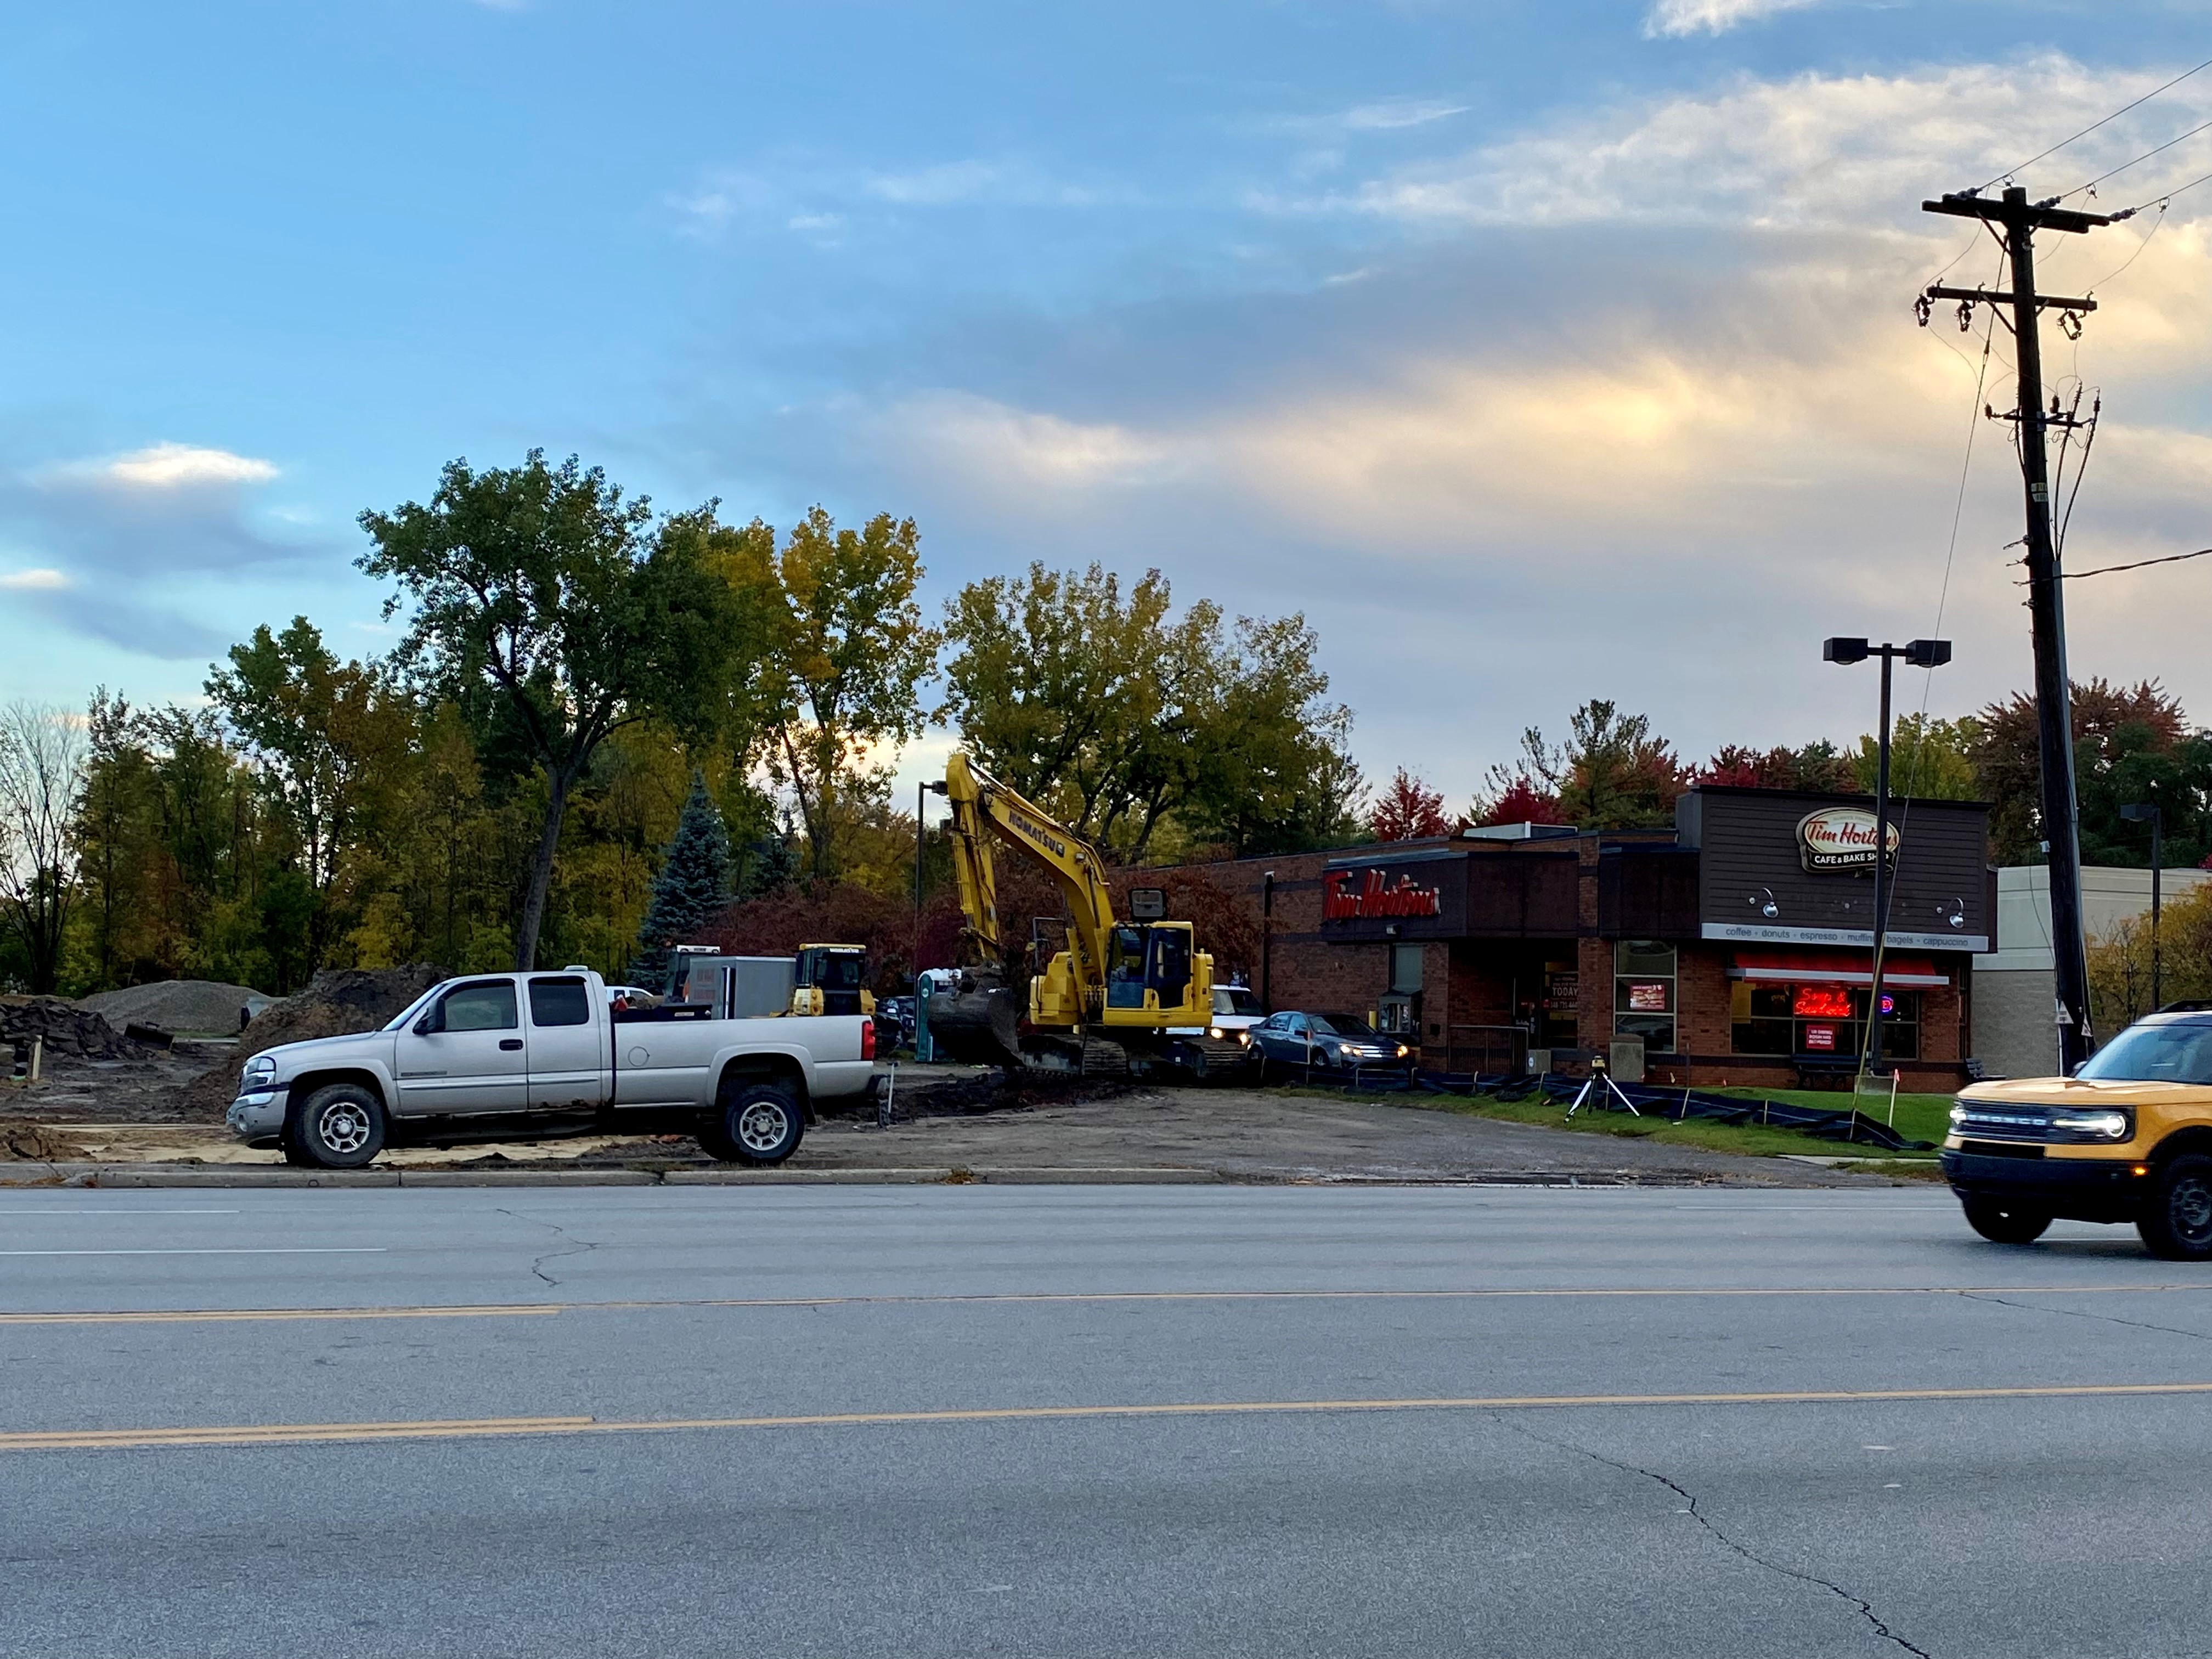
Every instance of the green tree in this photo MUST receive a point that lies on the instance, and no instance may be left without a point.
(115, 840)
(331, 745)
(845, 655)
(693, 886)
(1127, 719)
(2008, 754)
(1930, 759)
(546, 584)
(1612, 773)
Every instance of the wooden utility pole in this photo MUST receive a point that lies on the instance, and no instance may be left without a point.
(2018, 219)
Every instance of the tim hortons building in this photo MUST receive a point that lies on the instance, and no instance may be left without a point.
(1737, 947)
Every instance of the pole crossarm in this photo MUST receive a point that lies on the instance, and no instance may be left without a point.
(2033, 217)
(1983, 296)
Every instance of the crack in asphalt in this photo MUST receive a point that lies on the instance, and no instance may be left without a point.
(2082, 1313)
(1865, 1607)
(537, 1264)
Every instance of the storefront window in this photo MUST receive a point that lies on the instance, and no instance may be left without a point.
(1819, 1021)
(1644, 993)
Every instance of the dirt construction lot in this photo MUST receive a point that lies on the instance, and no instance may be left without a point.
(957, 1128)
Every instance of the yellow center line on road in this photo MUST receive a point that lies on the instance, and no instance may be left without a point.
(282, 1434)
(502, 1310)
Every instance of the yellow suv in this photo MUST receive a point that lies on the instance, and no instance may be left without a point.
(2127, 1137)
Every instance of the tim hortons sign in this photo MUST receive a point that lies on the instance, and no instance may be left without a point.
(1359, 895)
(1840, 838)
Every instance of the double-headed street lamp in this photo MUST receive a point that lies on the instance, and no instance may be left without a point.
(1917, 653)
(2136, 813)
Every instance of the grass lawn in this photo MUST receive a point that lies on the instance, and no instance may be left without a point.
(1919, 1117)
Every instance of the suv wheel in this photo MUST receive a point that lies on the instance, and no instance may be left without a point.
(757, 1123)
(2006, 1223)
(2177, 1222)
(339, 1126)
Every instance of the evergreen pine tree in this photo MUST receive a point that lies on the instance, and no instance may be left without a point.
(692, 885)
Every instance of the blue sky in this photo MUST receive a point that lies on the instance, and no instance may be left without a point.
(1535, 351)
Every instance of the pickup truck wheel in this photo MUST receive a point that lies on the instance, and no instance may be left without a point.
(2177, 1222)
(758, 1124)
(2006, 1223)
(339, 1126)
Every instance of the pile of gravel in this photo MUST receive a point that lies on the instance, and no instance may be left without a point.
(67, 1029)
(192, 1005)
(336, 1002)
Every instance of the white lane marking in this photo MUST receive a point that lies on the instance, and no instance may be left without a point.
(300, 1249)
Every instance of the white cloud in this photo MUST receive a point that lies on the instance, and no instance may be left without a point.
(1004, 451)
(33, 581)
(176, 467)
(1676, 17)
(1393, 113)
(1814, 149)
(1646, 445)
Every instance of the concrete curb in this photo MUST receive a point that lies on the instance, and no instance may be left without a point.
(28, 1176)
(260, 1175)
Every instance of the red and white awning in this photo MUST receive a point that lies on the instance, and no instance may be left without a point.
(1898, 969)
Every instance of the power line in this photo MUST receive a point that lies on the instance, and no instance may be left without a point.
(2139, 159)
(2160, 201)
(2092, 126)
(2139, 564)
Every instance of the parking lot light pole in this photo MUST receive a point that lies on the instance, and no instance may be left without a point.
(1919, 653)
(2138, 812)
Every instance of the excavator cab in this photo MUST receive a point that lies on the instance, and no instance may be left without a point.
(1149, 972)
(832, 979)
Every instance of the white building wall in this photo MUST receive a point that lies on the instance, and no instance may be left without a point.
(2015, 1001)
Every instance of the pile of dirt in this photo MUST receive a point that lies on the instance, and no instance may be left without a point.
(182, 1005)
(20, 1140)
(70, 1031)
(336, 1002)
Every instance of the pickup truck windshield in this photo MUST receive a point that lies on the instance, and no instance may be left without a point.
(411, 1012)
(2178, 1053)
(1235, 999)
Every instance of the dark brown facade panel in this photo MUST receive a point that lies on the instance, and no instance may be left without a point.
(1755, 884)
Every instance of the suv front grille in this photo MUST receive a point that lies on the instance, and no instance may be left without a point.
(2004, 1123)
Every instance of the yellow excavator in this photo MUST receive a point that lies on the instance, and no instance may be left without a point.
(1129, 997)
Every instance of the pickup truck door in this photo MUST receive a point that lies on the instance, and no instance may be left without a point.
(568, 1041)
(465, 1054)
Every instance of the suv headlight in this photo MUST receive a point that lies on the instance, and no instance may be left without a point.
(2109, 1126)
(260, 1070)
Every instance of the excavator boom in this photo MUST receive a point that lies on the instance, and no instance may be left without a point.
(1115, 982)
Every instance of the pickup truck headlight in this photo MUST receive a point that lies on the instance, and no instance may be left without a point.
(1214, 1032)
(260, 1071)
(2109, 1126)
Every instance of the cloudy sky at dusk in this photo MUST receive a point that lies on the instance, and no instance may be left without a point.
(1535, 351)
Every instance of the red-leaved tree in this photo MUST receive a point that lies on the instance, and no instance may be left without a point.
(1408, 810)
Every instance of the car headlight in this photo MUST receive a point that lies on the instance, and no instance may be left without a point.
(1958, 1116)
(1245, 1038)
(1403, 1051)
(261, 1068)
(1213, 1031)
(2112, 1126)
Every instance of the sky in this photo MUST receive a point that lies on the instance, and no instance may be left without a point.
(1535, 352)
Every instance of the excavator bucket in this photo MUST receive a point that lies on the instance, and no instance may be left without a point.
(980, 1023)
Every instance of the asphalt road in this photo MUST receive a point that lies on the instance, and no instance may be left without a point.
(1084, 1421)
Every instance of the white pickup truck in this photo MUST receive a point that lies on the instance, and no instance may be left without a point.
(515, 1056)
